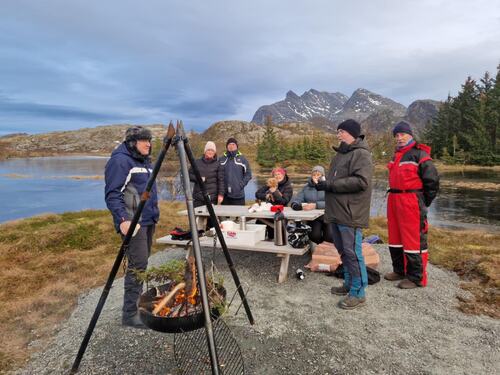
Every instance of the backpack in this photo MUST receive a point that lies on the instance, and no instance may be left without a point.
(373, 274)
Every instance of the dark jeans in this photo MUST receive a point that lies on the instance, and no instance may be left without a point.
(209, 219)
(233, 201)
(347, 240)
(137, 253)
(321, 231)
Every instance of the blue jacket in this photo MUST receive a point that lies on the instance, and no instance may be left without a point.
(237, 173)
(126, 178)
(309, 194)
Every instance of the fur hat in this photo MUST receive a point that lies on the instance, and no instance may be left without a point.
(402, 127)
(136, 133)
(210, 146)
(351, 126)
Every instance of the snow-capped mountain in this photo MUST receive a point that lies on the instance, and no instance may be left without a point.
(310, 104)
(335, 107)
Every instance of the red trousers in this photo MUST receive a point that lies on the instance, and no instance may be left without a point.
(407, 221)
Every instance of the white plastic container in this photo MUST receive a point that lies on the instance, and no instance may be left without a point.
(250, 236)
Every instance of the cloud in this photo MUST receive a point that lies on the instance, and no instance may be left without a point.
(88, 62)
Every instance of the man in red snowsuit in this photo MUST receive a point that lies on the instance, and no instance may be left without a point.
(413, 184)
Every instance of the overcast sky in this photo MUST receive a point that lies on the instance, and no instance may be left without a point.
(82, 63)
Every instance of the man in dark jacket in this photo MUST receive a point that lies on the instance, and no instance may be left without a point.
(347, 199)
(126, 176)
(413, 183)
(237, 173)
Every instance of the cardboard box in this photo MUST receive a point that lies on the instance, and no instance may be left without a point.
(326, 257)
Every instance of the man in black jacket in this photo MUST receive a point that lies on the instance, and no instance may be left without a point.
(237, 174)
(347, 208)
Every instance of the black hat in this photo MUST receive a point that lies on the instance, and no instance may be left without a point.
(402, 127)
(136, 133)
(351, 126)
(232, 140)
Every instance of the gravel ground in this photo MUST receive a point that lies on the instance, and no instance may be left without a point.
(299, 329)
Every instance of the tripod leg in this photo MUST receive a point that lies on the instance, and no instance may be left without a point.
(222, 241)
(121, 252)
(197, 254)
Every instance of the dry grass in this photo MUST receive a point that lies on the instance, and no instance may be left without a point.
(46, 262)
(473, 255)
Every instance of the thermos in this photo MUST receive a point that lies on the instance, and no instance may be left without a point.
(243, 223)
(279, 229)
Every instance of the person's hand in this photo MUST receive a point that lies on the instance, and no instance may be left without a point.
(220, 198)
(124, 227)
(309, 206)
(321, 185)
(272, 189)
(203, 178)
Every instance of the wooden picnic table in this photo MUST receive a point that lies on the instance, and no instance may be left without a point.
(284, 252)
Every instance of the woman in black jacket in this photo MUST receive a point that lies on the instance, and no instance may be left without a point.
(276, 194)
(212, 174)
(277, 191)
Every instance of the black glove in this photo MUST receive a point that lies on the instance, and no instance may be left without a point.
(321, 185)
(296, 206)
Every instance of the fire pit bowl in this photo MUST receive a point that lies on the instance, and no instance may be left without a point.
(176, 324)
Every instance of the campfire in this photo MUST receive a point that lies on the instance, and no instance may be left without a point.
(178, 299)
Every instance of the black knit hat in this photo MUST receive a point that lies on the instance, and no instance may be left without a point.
(232, 140)
(402, 127)
(350, 126)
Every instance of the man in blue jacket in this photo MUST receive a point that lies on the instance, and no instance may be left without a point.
(126, 176)
(237, 173)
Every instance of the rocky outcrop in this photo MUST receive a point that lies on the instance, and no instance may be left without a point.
(421, 112)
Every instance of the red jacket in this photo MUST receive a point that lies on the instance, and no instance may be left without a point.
(412, 169)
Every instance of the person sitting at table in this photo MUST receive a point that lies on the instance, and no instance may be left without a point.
(277, 191)
(309, 199)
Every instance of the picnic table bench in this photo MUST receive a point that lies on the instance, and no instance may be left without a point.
(284, 252)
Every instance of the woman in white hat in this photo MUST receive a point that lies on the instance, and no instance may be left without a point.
(211, 173)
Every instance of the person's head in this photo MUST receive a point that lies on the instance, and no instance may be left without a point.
(348, 131)
(139, 138)
(232, 144)
(210, 150)
(279, 174)
(317, 172)
(402, 133)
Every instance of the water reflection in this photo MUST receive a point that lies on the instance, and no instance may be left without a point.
(47, 187)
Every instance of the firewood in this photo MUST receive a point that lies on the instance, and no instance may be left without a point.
(167, 298)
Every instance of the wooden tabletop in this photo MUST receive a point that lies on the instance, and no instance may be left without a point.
(239, 211)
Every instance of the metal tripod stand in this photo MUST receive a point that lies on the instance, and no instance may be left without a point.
(177, 138)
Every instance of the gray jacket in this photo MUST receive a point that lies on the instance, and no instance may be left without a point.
(309, 194)
(349, 185)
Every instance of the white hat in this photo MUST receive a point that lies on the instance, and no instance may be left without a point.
(210, 146)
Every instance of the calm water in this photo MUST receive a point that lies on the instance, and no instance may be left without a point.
(39, 185)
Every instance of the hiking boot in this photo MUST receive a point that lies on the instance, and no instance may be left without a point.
(393, 276)
(339, 290)
(407, 284)
(133, 321)
(351, 302)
